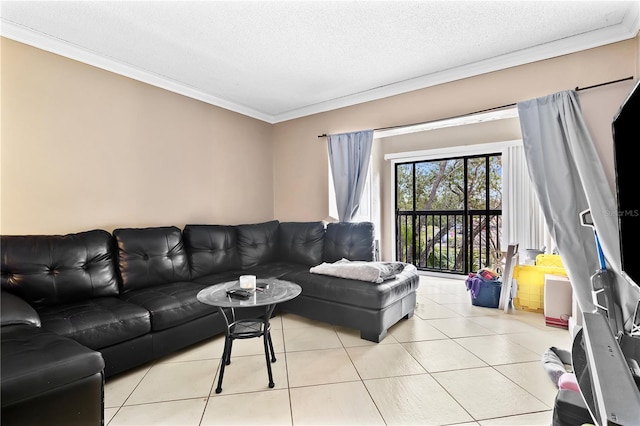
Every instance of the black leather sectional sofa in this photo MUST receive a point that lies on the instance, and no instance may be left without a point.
(81, 307)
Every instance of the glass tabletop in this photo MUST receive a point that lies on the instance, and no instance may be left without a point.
(275, 291)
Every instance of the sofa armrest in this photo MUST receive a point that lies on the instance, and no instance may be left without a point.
(14, 310)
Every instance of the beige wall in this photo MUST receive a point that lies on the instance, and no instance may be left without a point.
(83, 148)
(300, 158)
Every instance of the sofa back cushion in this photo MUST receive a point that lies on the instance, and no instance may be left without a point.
(211, 249)
(257, 243)
(150, 256)
(301, 242)
(48, 270)
(353, 241)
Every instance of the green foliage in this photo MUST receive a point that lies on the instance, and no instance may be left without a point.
(439, 185)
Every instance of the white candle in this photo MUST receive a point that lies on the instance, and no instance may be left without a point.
(248, 281)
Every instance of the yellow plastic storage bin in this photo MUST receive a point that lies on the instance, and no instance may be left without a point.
(549, 260)
(530, 279)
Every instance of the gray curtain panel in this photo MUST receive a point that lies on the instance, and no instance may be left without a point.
(349, 154)
(568, 178)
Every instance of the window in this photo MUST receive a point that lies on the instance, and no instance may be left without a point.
(364, 213)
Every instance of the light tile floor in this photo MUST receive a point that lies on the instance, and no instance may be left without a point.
(451, 363)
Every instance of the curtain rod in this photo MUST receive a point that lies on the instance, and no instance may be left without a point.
(577, 89)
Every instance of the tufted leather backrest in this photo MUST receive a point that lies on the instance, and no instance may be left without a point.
(150, 256)
(257, 243)
(301, 242)
(211, 248)
(47, 270)
(353, 241)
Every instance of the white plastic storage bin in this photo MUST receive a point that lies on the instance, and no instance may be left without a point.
(558, 297)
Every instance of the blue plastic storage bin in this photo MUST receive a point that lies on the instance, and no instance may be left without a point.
(489, 294)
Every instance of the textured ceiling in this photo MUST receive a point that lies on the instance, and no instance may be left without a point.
(277, 60)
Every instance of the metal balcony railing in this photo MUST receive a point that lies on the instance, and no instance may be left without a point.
(448, 241)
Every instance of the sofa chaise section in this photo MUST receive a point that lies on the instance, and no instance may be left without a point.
(369, 307)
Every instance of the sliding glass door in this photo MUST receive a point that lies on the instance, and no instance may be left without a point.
(449, 212)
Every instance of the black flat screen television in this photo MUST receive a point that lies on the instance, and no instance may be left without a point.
(626, 140)
(610, 391)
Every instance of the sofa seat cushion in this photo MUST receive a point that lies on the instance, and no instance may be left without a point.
(275, 269)
(170, 304)
(35, 361)
(97, 323)
(267, 270)
(354, 292)
(219, 277)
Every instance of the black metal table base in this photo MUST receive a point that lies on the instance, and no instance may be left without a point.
(247, 329)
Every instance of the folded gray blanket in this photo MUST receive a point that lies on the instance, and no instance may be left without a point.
(375, 272)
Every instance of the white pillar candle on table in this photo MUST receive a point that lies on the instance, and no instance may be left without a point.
(248, 281)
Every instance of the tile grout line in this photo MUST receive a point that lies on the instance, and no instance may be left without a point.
(129, 396)
(213, 383)
(362, 380)
(440, 384)
(286, 367)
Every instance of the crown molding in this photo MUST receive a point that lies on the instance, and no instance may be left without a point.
(627, 29)
(71, 51)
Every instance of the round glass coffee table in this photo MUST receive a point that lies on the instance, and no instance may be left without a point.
(268, 293)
